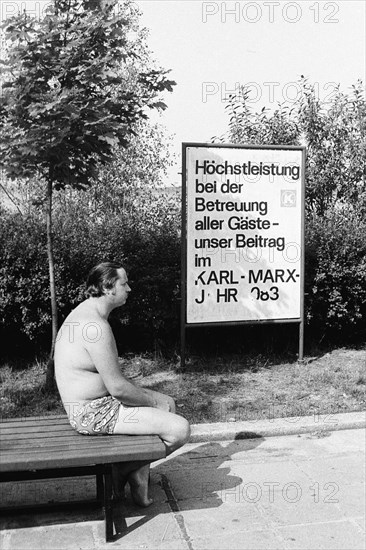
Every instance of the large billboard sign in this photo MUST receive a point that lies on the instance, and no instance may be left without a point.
(243, 219)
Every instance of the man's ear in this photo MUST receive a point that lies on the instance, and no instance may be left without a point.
(107, 291)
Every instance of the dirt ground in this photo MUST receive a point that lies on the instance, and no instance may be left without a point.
(233, 390)
(228, 388)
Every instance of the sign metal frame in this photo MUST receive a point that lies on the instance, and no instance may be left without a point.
(184, 323)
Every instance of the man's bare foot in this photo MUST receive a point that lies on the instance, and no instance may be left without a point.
(139, 484)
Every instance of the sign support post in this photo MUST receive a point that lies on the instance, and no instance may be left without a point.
(302, 287)
(183, 262)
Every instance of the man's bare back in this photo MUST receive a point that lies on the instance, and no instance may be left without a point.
(77, 377)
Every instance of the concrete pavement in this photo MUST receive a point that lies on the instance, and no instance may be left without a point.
(301, 490)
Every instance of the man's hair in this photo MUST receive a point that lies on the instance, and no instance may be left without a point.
(102, 277)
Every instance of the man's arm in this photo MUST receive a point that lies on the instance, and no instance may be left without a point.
(162, 401)
(102, 349)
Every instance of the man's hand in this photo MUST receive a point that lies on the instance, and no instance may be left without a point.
(162, 401)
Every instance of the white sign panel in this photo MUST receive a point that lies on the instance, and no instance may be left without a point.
(244, 233)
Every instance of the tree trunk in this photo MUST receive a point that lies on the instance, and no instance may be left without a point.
(50, 376)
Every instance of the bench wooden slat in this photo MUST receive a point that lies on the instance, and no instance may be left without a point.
(33, 419)
(98, 443)
(71, 436)
(8, 429)
(35, 429)
(31, 436)
(42, 438)
(64, 452)
(98, 447)
(47, 460)
(40, 430)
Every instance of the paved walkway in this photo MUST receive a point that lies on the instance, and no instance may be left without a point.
(299, 491)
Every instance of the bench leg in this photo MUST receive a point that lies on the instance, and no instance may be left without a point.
(108, 506)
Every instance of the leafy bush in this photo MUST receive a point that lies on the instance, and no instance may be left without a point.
(150, 252)
(335, 275)
(24, 278)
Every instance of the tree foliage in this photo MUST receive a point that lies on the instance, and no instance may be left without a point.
(131, 179)
(75, 83)
(333, 132)
(263, 128)
(335, 136)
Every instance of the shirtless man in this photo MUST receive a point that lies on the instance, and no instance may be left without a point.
(97, 397)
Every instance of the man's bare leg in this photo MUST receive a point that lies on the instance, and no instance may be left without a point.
(171, 428)
(120, 473)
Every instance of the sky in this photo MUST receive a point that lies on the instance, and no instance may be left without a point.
(213, 47)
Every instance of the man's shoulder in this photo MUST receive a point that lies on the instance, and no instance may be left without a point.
(83, 317)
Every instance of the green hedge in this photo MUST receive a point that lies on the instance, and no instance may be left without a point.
(151, 256)
(335, 276)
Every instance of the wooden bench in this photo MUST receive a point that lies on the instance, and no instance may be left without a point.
(47, 447)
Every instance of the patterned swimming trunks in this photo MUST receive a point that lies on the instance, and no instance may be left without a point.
(98, 417)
